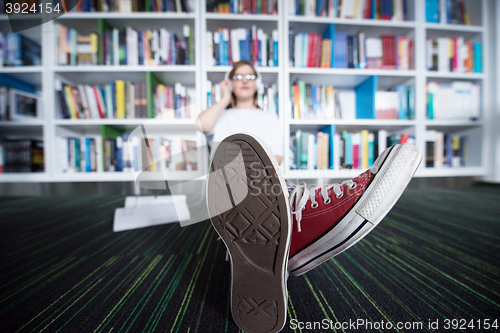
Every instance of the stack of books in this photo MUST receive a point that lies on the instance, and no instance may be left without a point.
(445, 149)
(339, 50)
(75, 48)
(311, 101)
(395, 10)
(458, 100)
(455, 12)
(123, 153)
(79, 154)
(453, 55)
(21, 155)
(18, 50)
(116, 100)
(227, 46)
(309, 151)
(170, 102)
(125, 47)
(243, 6)
(267, 96)
(327, 149)
(129, 6)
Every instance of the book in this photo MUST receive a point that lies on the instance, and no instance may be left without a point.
(456, 12)
(365, 98)
(388, 51)
(356, 150)
(430, 150)
(12, 82)
(386, 104)
(373, 53)
(432, 11)
(364, 149)
(21, 155)
(337, 152)
(18, 50)
(311, 157)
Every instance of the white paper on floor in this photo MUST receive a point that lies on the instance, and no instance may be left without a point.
(144, 200)
(145, 211)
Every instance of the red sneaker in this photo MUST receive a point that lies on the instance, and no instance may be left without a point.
(330, 219)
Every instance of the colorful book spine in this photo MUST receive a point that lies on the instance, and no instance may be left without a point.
(396, 10)
(126, 47)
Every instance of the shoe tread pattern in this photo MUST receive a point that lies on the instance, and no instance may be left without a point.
(255, 219)
(252, 230)
(258, 314)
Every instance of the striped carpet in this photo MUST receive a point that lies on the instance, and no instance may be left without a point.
(435, 258)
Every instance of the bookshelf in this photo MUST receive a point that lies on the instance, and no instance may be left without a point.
(417, 29)
(474, 130)
(54, 126)
(51, 126)
(166, 74)
(35, 129)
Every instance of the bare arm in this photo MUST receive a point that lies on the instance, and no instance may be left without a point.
(206, 120)
(278, 158)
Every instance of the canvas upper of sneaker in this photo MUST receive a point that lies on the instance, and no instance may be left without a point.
(316, 222)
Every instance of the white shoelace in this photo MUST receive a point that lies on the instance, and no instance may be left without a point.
(302, 195)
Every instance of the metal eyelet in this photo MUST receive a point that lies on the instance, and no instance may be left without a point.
(340, 195)
(327, 201)
(353, 186)
(303, 208)
(314, 205)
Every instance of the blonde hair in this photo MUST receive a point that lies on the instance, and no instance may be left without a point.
(231, 73)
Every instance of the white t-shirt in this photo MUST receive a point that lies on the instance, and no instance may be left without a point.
(264, 125)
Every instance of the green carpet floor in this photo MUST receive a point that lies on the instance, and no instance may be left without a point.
(434, 258)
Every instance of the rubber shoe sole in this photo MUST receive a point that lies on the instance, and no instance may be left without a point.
(396, 167)
(248, 204)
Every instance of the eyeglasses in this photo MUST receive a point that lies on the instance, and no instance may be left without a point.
(240, 77)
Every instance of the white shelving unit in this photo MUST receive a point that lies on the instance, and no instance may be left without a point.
(419, 30)
(35, 129)
(475, 131)
(51, 125)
